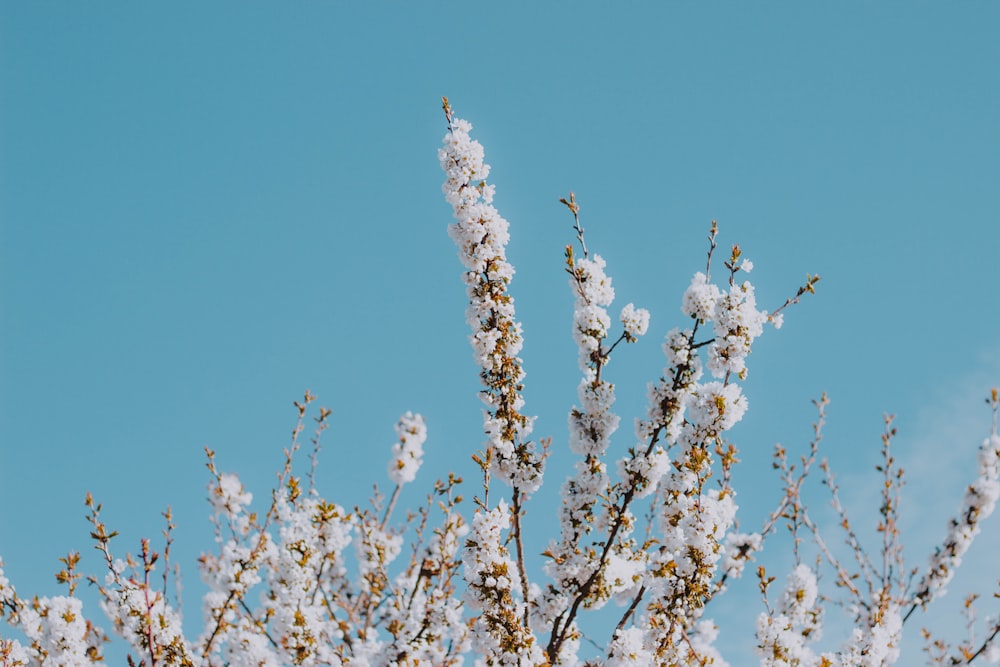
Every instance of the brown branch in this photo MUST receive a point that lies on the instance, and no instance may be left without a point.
(628, 612)
(519, 548)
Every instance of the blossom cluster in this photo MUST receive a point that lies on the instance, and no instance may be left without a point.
(499, 633)
(787, 633)
(784, 634)
(55, 627)
(481, 235)
(280, 588)
(407, 454)
(692, 416)
(979, 502)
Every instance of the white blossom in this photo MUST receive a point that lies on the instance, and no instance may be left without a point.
(627, 649)
(635, 320)
(481, 235)
(407, 454)
(979, 502)
(700, 298)
(228, 496)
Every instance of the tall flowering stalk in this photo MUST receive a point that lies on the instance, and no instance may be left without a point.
(694, 516)
(580, 570)
(497, 586)
(481, 235)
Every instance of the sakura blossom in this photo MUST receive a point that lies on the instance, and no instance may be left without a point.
(407, 455)
(649, 529)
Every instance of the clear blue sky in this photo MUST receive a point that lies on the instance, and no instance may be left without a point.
(206, 209)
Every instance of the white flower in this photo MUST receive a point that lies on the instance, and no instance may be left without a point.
(635, 320)
(594, 282)
(717, 406)
(627, 650)
(590, 326)
(799, 596)
(228, 496)
(699, 299)
(407, 454)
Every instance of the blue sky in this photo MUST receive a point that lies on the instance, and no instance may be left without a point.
(206, 209)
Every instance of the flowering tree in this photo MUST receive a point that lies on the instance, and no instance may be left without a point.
(313, 582)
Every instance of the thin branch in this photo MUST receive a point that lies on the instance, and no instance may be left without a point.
(574, 207)
(391, 506)
(629, 611)
(515, 509)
